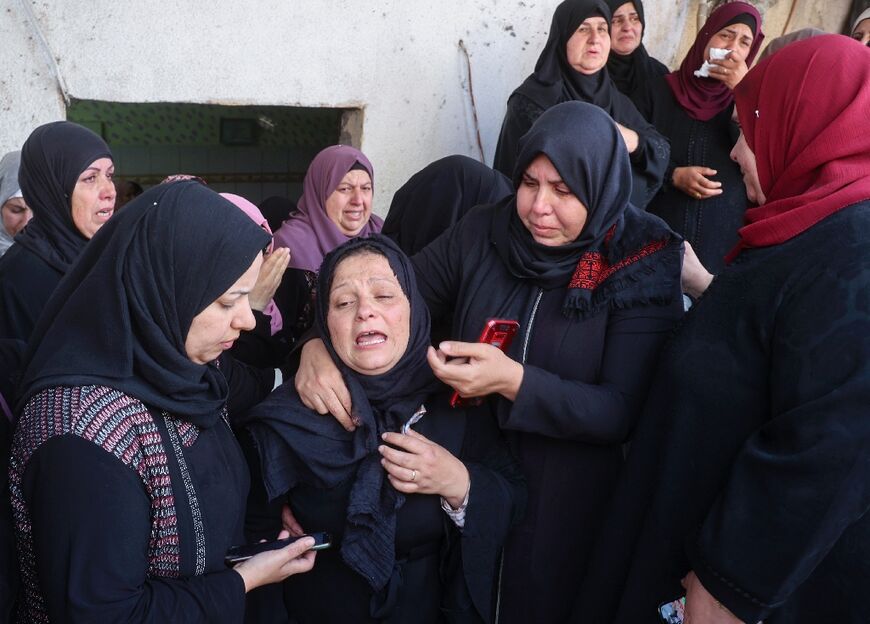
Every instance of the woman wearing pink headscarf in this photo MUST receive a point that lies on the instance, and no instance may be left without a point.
(336, 206)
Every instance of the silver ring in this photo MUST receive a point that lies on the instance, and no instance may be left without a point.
(413, 475)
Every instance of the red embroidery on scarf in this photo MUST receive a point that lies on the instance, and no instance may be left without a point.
(593, 269)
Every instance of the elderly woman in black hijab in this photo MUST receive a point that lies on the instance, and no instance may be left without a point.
(594, 284)
(66, 179)
(573, 66)
(630, 65)
(127, 483)
(376, 490)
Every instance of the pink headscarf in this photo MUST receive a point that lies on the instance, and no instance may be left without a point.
(275, 320)
(310, 234)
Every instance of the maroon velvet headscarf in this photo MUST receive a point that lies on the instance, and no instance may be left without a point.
(804, 113)
(309, 233)
(704, 98)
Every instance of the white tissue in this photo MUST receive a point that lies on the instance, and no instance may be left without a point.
(717, 54)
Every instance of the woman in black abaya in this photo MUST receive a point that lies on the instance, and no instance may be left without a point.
(572, 66)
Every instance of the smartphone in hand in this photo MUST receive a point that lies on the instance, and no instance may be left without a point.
(237, 554)
(499, 333)
(673, 612)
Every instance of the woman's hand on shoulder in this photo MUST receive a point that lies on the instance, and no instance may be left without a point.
(423, 467)
(321, 386)
(476, 369)
(269, 278)
(694, 181)
(274, 566)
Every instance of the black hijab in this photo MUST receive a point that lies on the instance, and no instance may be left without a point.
(438, 196)
(631, 72)
(52, 159)
(296, 445)
(554, 80)
(623, 255)
(121, 315)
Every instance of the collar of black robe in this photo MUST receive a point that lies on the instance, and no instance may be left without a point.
(554, 80)
(297, 445)
(628, 70)
(623, 255)
(121, 315)
(53, 157)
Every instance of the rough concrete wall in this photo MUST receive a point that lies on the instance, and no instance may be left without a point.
(398, 59)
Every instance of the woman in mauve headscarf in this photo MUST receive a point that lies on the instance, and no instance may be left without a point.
(573, 67)
(66, 179)
(748, 476)
(336, 206)
(703, 197)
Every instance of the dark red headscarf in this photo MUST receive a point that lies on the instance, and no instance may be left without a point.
(804, 113)
(704, 98)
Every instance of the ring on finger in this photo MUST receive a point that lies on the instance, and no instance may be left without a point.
(413, 475)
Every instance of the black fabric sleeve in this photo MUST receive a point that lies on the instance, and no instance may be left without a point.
(26, 284)
(91, 524)
(602, 412)
(438, 268)
(520, 115)
(802, 479)
(651, 158)
(258, 347)
(248, 385)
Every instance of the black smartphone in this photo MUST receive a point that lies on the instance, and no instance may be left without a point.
(237, 554)
(673, 612)
(499, 333)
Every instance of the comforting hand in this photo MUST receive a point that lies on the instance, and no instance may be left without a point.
(321, 386)
(274, 566)
(728, 71)
(423, 467)
(478, 370)
(630, 137)
(269, 278)
(701, 607)
(694, 277)
(693, 181)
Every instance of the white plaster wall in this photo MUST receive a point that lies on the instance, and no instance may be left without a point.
(400, 60)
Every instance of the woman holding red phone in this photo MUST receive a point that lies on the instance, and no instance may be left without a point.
(594, 285)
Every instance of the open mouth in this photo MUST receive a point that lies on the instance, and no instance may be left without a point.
(105, 213)
(370, 338)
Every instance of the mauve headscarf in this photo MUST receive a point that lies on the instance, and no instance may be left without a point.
(309, 233)
(53, 157)
(276, 322)
(811, 152)
(704, 98)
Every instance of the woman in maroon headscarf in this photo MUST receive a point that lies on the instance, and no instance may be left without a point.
(702, 197)
(749, 474)
(336, 206)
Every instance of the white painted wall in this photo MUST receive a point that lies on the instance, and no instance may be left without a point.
(400, 60)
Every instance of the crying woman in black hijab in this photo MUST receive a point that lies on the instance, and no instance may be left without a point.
(573, 66)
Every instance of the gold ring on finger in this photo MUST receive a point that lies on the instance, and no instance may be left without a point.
(413, 475)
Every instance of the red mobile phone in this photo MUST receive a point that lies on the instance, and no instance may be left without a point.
(499, 333)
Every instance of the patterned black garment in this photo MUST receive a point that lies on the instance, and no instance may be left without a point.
(184, 487)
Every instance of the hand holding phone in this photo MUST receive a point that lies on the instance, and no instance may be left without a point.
(237, 554)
